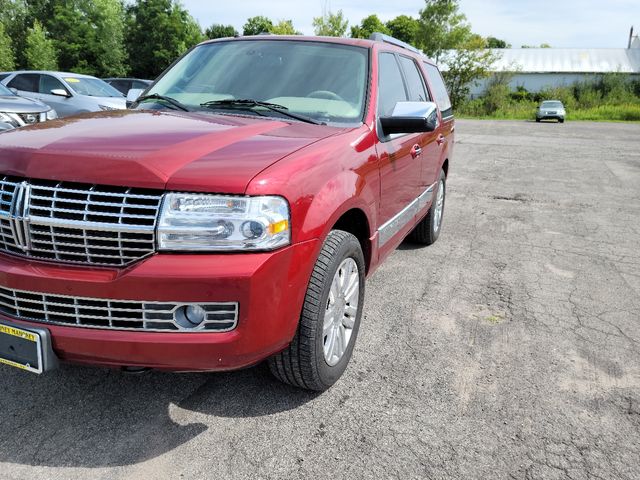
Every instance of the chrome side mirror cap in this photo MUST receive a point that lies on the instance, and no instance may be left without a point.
(411, 117)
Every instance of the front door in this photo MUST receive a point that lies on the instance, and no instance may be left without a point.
(399, 158)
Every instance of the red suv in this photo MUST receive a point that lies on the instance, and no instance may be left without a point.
(231, 216)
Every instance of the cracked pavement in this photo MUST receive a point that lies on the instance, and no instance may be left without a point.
(509, 349)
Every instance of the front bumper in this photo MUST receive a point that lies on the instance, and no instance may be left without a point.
(269, 288)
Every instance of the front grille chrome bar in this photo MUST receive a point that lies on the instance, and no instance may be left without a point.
(113, 314)
(78, 223)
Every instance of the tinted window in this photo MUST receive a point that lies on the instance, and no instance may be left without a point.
(3, 76)
(48, 83)
(391, 87)
(415, 82)
(121, 85)
(138, 84)
(439, 90)
(27, 82)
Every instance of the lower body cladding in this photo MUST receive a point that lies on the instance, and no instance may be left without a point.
(260, 293)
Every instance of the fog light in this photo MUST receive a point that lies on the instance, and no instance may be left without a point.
(190, 316)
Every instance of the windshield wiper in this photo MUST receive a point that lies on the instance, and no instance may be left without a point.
(249, 103)
(169, 100)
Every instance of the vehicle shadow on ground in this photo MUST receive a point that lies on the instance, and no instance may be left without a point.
(87, 417)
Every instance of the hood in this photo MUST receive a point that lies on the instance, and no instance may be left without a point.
(172, 150)
(15, 104)
(113, 102)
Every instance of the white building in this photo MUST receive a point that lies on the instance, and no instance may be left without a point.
(539, 68)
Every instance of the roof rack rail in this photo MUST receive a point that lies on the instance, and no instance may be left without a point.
(381, 37)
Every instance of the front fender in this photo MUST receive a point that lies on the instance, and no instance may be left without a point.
(344, 192)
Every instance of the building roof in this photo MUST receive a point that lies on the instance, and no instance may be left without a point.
(568, 60)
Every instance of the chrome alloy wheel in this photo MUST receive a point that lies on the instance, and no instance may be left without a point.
(341, 311)
(437, 214)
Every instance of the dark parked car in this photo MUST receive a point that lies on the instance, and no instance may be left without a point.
(17, 111)
(231, 216)
(125, 84)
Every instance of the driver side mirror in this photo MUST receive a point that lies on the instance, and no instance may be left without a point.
(14, 90)
(411, 117)
(60, 92)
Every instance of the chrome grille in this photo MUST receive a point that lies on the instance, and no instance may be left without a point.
(70, 222)
(111, 314)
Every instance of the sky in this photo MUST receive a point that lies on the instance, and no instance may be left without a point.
(560, 23)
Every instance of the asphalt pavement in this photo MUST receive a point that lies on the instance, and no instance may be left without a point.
(509, 349)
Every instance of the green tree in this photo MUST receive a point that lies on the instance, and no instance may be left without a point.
(404, 28)
(257, 25)
(464, 65)
(368, 26)
(442, 27)
(220, 31)
(446, 36)
(493, 42)
(40, 53)
(88, 34)
(158, 31)
(331, 24)
(284, 27)
(6, 52)
(13, 16)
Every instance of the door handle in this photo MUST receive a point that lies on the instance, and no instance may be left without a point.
(441, 139)
(416, 151)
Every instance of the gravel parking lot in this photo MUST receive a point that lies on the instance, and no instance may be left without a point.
(509, 349)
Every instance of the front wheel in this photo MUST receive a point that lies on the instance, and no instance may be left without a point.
(322, 346)
(428, 230)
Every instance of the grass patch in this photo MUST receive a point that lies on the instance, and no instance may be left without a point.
(495, 318)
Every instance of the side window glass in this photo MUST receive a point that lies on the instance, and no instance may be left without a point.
(141, 85)
(439, 90)
(415, 82)
(390, 85)
(27, 82)
(48, 83)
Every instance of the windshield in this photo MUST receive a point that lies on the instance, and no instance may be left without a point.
(93, 87)
(552, 104)
(324, 81)
(4, 91)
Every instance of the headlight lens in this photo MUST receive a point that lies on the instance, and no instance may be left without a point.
(52, 114)
(5, 118)
(219, 222)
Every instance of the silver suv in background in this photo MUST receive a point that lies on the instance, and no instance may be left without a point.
(67, 93)
(551, 109)
(17, 112)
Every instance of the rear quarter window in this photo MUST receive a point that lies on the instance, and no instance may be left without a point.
(439, 90)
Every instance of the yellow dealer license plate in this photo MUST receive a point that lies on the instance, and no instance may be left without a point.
(21, 348)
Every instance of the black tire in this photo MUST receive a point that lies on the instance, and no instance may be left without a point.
(537, 120)
(427, 231)
(561, 120)
(302, 364)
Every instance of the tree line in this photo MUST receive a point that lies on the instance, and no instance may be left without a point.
(141, 38)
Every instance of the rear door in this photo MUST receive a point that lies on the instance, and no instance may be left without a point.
(27, 85)
(445, 132)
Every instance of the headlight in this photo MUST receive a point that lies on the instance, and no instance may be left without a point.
(52, 114)
(6, 118)
(217, 222)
